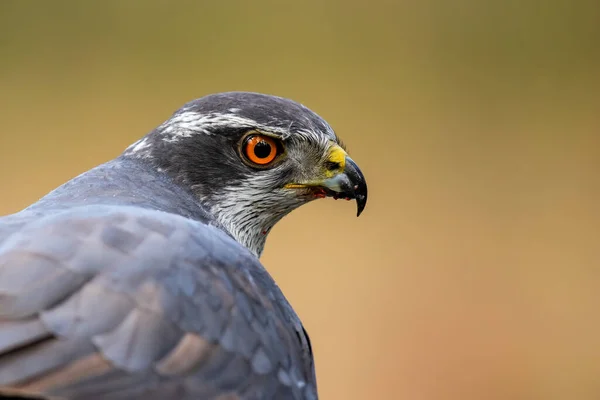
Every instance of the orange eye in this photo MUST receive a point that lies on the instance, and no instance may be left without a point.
(259, 149)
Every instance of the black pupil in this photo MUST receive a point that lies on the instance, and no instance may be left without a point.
(262, 149)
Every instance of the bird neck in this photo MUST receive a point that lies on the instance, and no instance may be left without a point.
(248, 226)
(248, 220)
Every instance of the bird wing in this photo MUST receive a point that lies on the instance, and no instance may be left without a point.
(127, 303)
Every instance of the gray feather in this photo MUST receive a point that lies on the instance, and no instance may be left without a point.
(161, 281)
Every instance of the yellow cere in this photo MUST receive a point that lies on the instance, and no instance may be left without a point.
(336, 155)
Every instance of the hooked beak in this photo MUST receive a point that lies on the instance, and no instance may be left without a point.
(346, 182)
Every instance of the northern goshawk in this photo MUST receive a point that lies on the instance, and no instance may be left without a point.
(140, 278)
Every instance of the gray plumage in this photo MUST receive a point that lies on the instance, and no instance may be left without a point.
(127, 282)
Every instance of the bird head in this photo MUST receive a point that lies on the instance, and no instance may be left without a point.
(250, 159)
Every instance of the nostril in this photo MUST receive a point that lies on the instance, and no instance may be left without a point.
(332, 165)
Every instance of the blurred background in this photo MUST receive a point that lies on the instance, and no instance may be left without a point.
(474, 271)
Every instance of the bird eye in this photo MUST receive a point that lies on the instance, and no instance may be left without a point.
(259, 149)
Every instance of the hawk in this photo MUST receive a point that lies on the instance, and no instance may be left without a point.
(140, 278)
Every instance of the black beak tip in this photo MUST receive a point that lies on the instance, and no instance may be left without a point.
(361, 201)
(360, 205)
(359, 185)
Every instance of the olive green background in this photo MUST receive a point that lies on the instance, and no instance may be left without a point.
(474, 272)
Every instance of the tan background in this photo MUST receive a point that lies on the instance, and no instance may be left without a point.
(474, 271)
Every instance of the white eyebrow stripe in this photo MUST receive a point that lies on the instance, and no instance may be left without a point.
(189, 123)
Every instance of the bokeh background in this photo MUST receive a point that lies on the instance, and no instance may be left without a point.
(474, 272)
